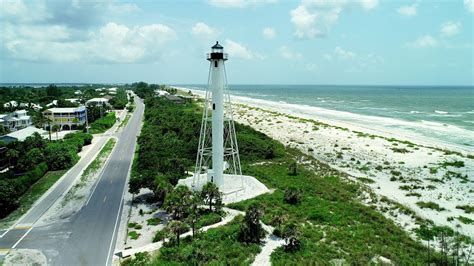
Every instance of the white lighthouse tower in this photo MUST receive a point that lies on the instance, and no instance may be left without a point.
(218, 154)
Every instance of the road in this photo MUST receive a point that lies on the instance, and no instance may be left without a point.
(88, 237)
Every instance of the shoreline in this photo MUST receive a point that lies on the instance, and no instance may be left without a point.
(425, 179)
(330, 117)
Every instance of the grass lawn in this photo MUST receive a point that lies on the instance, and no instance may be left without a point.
(31, 195)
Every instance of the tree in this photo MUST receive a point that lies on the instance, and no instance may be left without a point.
(211, 195)
(162, 188)
(53, 91)
(12, 156)
(291, 235)
(30, 159)
(251, 231)
(278, 219)
(56, 129)
(293, 195)
(194, 214)
(35, 141)
(177, 202)
(177, 228)
(60, 155)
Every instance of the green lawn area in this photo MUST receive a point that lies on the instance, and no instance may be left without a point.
(31, 195)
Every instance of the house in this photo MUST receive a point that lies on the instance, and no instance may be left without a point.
(10, 104)
(97, 101)
(160, 93)
(67, 118)
(53, 103)
(174, 98)
(78, 92)
(72, 100)
(34, 106)
(16, 120)
(22, 134)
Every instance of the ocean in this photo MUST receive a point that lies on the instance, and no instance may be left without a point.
(443, 114)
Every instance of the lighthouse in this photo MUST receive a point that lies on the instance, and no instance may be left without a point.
(218, 158)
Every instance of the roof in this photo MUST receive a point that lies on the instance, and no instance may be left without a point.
(98, 100)
(20, 112)
(173, 98)
(217, 46)
(66, 109)
(25, 117)
(22, 134)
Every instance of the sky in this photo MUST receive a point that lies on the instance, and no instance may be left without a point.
(360, 42)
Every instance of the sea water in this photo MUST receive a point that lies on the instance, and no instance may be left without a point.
(443, 114)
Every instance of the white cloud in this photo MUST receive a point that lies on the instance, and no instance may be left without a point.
(204, 31)
(287, 53)
(60, 31)
(408, 11)
(369, 4)
(343, 54)
(469, 4)
(237, 50)
(425, 41)
(112, 43)
(239, 3)
(269, 33)
(450, 28)
(314, 18)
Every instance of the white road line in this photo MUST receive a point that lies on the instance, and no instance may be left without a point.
(21, 238)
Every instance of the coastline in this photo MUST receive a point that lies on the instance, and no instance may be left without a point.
(418, 174)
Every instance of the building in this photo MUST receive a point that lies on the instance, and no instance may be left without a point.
(53, 103)
(97, 101)
(22, 134)
(16, 120)
(78, 92)
(72, 100)
(68, 118)
(11, 104)
(174, 98)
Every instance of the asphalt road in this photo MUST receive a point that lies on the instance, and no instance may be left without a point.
(89, 236)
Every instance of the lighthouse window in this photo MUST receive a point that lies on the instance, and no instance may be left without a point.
(213, 106)
(215, 63)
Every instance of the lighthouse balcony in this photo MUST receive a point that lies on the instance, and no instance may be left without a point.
(211, 56)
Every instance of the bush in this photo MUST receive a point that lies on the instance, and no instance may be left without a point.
(292, 195)
(102, 124)
(160, 235)
(60, 155)
(251, 231)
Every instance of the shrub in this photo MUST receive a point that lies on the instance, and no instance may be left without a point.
(466, 208)
(430, 205)
(292, 195)
(133, 235)
(160, 235)
(153, 221)
(251, 231)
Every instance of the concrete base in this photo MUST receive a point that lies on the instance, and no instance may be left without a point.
(236, 188)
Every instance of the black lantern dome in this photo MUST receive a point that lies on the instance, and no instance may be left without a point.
(217, 52)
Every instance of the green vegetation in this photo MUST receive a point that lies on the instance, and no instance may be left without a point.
(465, 220)
(153, 221)
(366, 180)
(31, 195)
(329, 222)
(466, 208)
(99, 160)
(125, 121)
(430, 205)
(120, 100)
(133, 235)
(226, 249)
(457, 164)
(31, 159)
(101, 125)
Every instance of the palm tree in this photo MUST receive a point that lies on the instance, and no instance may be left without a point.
(56, 129)
(210, 193)
(177, 228)
(12, 155)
